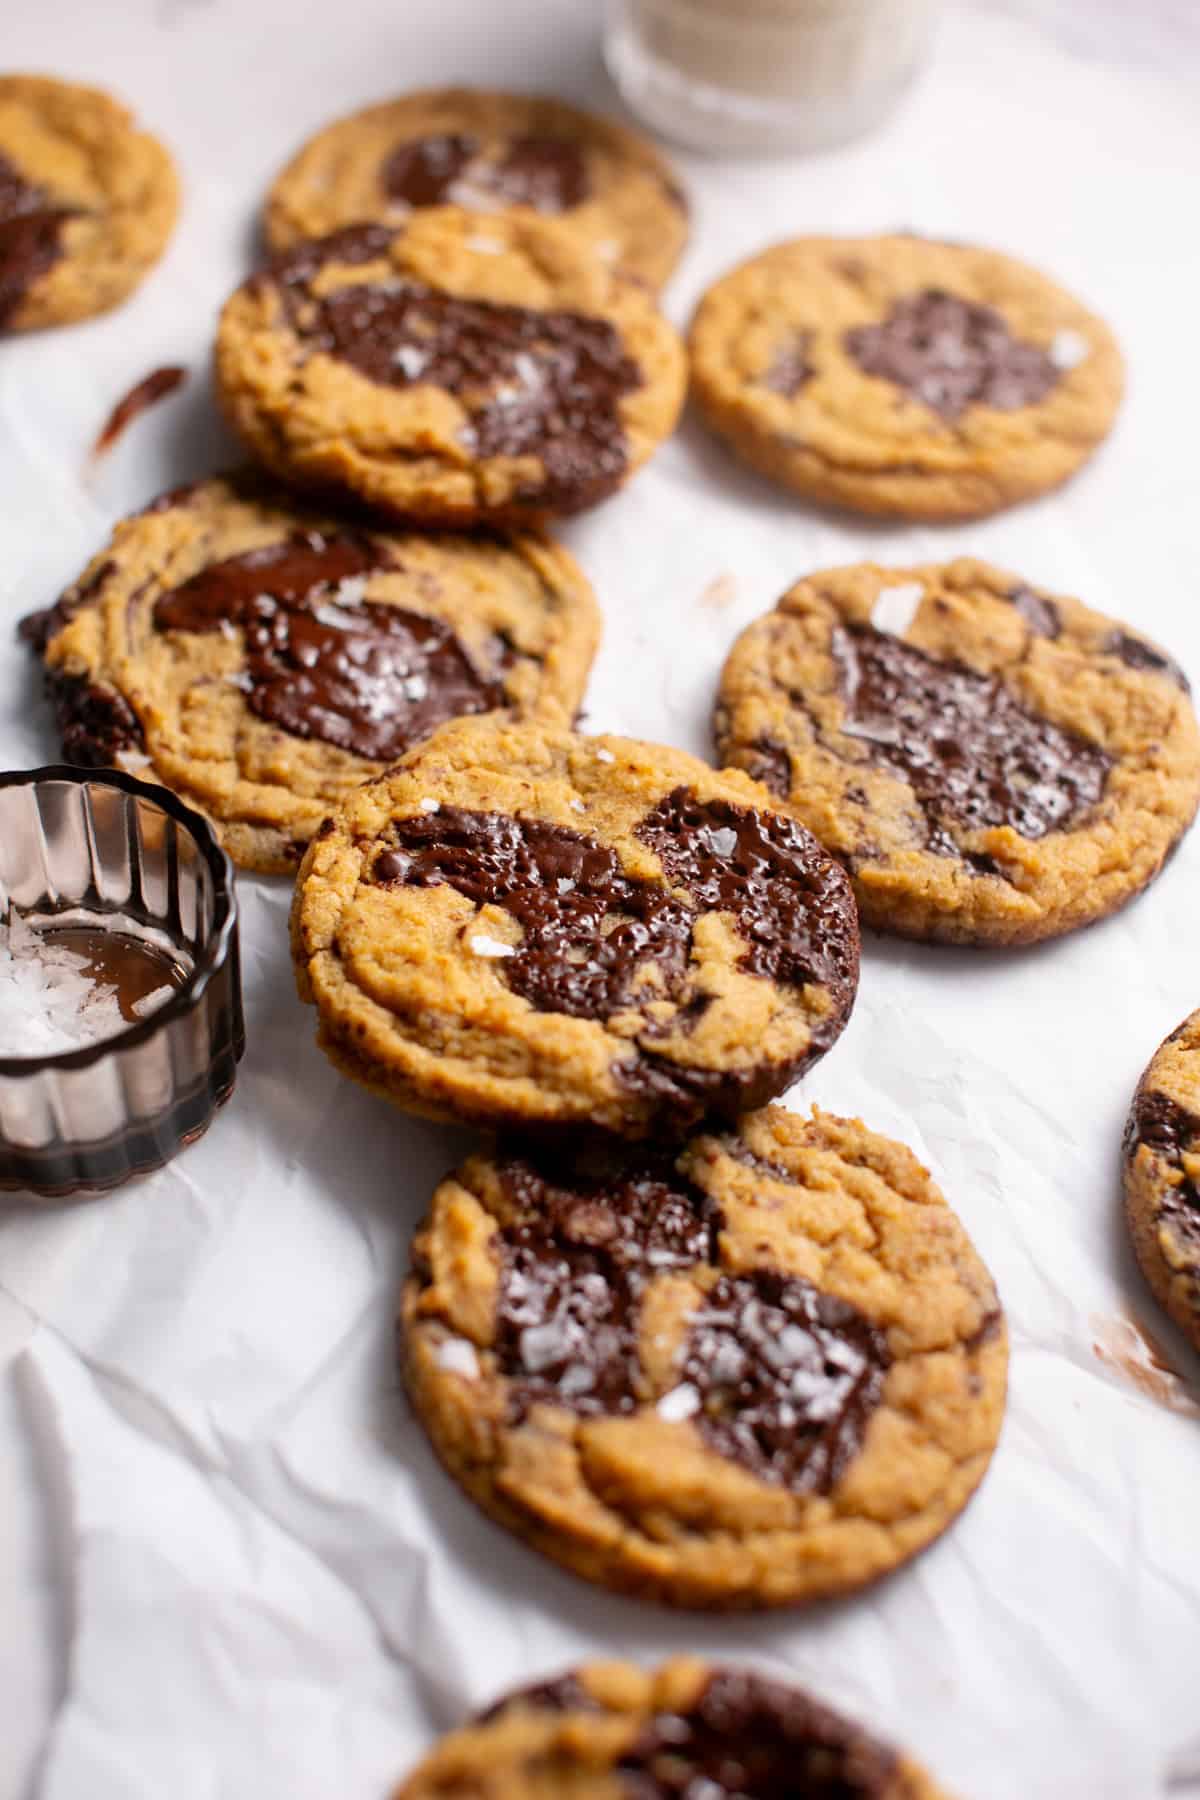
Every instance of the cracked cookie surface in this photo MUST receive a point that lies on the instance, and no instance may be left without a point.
(896, 375)
(262, 658)
(1162, 1176)
(520, 926)
(992, 763)
(688, 1730)
(487, 153)
(752, 1370)
(452, 369)
(87, 202)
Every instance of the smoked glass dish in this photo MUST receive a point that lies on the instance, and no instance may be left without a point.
(84, 850)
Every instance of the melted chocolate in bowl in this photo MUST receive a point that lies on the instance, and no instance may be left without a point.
(449, 168)
(544, 385)
(746, 1738)
(30, 236)
(321, 661)
(132, 967)
(951, 354)
(973, 755)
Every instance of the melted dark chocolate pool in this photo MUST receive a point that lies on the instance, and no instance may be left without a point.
(951, 354)
(320, 660)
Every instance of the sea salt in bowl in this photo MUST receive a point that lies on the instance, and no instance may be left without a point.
(120, 991)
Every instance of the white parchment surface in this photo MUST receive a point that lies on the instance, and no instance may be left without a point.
(228, 1564)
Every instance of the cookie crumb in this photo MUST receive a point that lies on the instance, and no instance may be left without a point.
(719, 593)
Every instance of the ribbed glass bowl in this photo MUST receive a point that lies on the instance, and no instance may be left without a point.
(95, 846)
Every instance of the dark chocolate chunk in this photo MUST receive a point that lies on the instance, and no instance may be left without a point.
(1136, 653)
(95, 723)
(986, 1332)
(595, 940)
(790, 901)
(320, 660)
(1162, 1124)
(789, 368)
(421, 171)
(973, 755)
(1041, 615)
(787, 1377)
(30, 236)
(539, 170)
(539, 384)
(565, 1693)
(590, 934)
(1169, 1130)
(548, 173)
(574, 1266)
(146, 393)
(771, 764)
(951, 354)
(747, 1738)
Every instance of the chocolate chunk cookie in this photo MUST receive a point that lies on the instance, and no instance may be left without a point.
(992, 764)
(263, 660)
(753, 1370)
(685, 1731)
(87, 202)
(896, 375)
(487, 153)
(519, 926)
(1162, 1176)
(452, 369)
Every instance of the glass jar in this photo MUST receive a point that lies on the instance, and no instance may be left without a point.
(765, 75)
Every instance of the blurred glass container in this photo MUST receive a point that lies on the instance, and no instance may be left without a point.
(85, 852)
(765, 75)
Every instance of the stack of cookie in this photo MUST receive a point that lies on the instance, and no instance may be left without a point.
(689, 1344)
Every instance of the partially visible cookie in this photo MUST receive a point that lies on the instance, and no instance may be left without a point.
(752, 1370)
(992, 763)
(87, 202)
(488, 153)
(519, 926)
(897, 375)
(1162, 1176)
(263, 659)
(688, 1730)
(452, 369)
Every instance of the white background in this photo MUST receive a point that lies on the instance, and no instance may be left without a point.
(228, 1565)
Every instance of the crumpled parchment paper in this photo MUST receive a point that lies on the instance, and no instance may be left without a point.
(228, 1564)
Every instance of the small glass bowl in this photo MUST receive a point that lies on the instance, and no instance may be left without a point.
(99, 848)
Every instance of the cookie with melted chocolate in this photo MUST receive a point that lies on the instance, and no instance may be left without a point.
(749, 1370)
(685, 1731)
(1162, 1176)
(488, 153)
(519, 926)
(450, 369)
(896, 375)
(87, 202)
(263, 659)
(992, 764)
